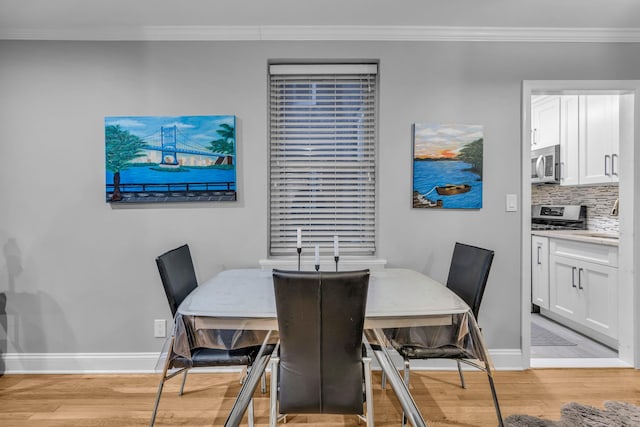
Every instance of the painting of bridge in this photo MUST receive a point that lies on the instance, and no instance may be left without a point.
(151, 159)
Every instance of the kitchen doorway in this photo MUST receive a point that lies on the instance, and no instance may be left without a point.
(587, 352)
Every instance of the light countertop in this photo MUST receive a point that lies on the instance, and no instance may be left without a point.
(587, 236)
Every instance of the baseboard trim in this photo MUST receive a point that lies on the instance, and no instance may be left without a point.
(79, 363)
(567, 363)
(140, 363)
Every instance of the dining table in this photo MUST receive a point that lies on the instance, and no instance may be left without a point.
(236, 308)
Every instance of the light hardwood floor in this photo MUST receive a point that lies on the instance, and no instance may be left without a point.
(127, 400)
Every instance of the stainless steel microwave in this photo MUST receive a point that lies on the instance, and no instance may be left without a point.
(545, 165)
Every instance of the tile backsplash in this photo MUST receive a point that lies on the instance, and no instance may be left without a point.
(599, 199)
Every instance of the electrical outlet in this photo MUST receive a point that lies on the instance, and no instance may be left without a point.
(160, 328)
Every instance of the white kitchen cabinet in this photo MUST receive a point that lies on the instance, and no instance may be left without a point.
(583, 286)
(569, 140)
(600, 138)
(545, 121)
(566, 299)
(540, 271)
(589, 139)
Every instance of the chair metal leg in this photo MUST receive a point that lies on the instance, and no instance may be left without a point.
(368, 391)
(460, 373)
(273, 398)
(167, 363)
(244, 375)
(494, 395)
(383, 382)
(263, 380)
(184, 380)
(250, 413)
(155, 406)
(406, 381)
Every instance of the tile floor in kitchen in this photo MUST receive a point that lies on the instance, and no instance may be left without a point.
(584, 348)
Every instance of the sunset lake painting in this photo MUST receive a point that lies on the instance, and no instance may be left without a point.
(156, 159)
(447, 166)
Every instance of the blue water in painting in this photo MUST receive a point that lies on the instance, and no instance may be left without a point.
(428, 174)
(144, 174)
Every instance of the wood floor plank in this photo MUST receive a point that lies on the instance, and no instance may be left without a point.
(127, 400)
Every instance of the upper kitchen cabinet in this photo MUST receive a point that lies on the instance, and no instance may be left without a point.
(545, 121)
(599, 145)
(590, 139)
(569, 140)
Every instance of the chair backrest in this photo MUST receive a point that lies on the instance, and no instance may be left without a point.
(468, 273)
(177, 274)
(320, 321)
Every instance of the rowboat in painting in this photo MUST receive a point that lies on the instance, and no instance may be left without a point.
(451, 189)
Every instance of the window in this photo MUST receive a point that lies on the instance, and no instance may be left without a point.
(322, 157)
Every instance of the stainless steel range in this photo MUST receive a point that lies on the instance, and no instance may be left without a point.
(558, 217)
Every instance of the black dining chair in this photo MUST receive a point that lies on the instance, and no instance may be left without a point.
(179, 279)
(319, 367)
(468, 274)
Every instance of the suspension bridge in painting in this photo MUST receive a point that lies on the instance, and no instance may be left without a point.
(171, 142)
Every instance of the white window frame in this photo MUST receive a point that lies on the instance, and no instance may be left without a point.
(322, 157)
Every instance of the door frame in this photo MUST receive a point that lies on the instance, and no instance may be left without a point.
(629, 249)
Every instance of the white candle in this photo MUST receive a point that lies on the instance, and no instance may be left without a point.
(336, 249)
(317, 255)
(299, 240)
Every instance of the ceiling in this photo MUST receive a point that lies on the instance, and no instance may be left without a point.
(31, 18)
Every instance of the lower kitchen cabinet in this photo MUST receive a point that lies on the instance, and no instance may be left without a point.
(540, 271)
(585, 293)
(583, 285)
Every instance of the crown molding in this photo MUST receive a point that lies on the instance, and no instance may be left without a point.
(327, 33)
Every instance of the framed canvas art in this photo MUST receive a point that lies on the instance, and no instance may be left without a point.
(447, 166)
(152, 159)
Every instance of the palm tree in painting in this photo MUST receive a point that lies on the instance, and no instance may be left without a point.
(472, 154)
(227, 141)
(121, 148)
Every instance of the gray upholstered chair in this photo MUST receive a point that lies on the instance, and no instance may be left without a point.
(319, 367)
(179, 279)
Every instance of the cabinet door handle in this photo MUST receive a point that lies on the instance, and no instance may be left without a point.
(613, 163)
(580, 278)
(539, 248)
(573, 277)
(606, 164)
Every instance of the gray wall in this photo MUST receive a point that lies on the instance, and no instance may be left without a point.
(79, 275)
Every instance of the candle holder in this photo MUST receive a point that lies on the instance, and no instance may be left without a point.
(336, 259)
(299, 252)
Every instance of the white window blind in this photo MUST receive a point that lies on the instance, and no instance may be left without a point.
(322, 157)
